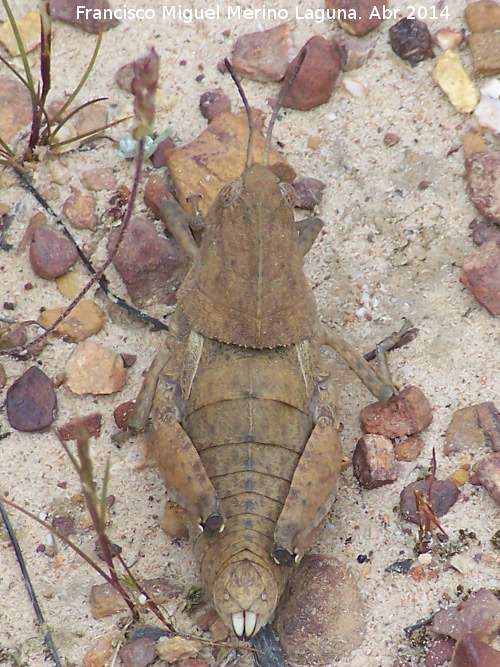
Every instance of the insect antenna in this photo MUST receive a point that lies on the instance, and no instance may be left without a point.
(284, 92)
(247, 109)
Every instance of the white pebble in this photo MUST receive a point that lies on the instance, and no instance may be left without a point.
(352, 86)
(487, 113)
(491, 89)
(425, 559)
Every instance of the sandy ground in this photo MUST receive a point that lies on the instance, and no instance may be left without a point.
(386, 245)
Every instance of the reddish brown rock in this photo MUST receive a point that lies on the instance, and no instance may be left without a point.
(122, 412)
(478, 615)
(309, 192)
(214, 102)
(373, 461)
(488, 475)
(124, 76)
(391, 139)
(440, 652)
(31, 401)
(155, 193)
(263, 56)
(91, 424)
(483, 176)
(128, 359)
(483, 16)
(321, 616)
(66, 10)
(98, 179)
(15, 107)
(151, 265)
(51, 253)
(159, 157)
(80, 210)
(405, 414)
(353, 52)
(444, 494)
(316, 80)
(485, 49)
(464, 432)
(98, 655)
(484, 232)
(93, 369)
(489, 421)
(481, 275)
(409, 448)
(361, 15)
(411, 40)
(472, 652)
(138, 653)
(473, 143)
(64, 525)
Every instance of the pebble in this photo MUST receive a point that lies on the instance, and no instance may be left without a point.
(316, 80)
(463, 432)
(391, 139)
(374, 463)
(309, 192)
(155, 193)
(483, 176)
(213, 102)
(70, 284)
(411, 40)
(451, 77)
(15, 107)
(29, 29)
(99, 654)
(472, 652)
(173, 649)
(447, 39)
(488, 475)
(460, 477)
(473, 143)
(479, 615)
(408, 449)
(31, 401)
(366, 18)
(263, 56)
(65, 10)
(481, 275)
(64, 525)
(444, 494)
(484, 232)
(487, 113)
(489, 421)
(138, 653)
(174, 521)
(51, 253)
(91, 424)
(483, 16)
(122, 412)
(219, 631)
(150, 631)
(80, 210)
(151, 266)
(128, 359)
(100, 178)
(321, 616)
(440, 652)
(405, 414)
(485, 49)
(93, 369)
(400, 566)
(353, 52)
(159, 157)
(205, 620)
(105, 601)
(85, 320)
(124, 76)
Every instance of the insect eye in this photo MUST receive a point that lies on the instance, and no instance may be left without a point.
(229, 193)
(288, 194)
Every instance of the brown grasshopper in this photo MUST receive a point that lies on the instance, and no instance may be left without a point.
(245, 429)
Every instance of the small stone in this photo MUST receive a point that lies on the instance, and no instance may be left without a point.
(159, 157)
(36, 221)
(173, 649)
(391, 139)
(487, 113)
(409, 448)
(51, 253)
(12, 335)
(478, 615)
(31, 401)
(485, 49)
(29, 29)
(405, 414)
(444, 494)
(98, 179)
(451, 77)
(92, 117)
(263, 56)
(70, 284)
(321, 615)
(213, 102)
(488, 475)
(483, 16)
(105, 601)
(316, 80)
(99, 654)
(440, 652)
(175, 521)
(483, 176)
(460, 477)
(313, 142)
(3, 377)
(128, 359)
(92, 369)
(80, 210)
(353, 52)
(122, 412)
(489, 421)
(471, 652)
(309, 192)
(155, 193)
(446, 38)
(205, 620)
(473, 143)
(400, 566)
(124, 76)
(481, 275)
(15, 107)
(150, 631)
(151, 266)
(66, 10)
(64, 525)
(353, 86)
(411, 40)
(91, 425)
(85, 320)
(138, 653)
(373, 461)
(464, 432)
(368, 14)
(219, 631)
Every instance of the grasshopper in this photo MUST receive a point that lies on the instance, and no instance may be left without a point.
(246, 434)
